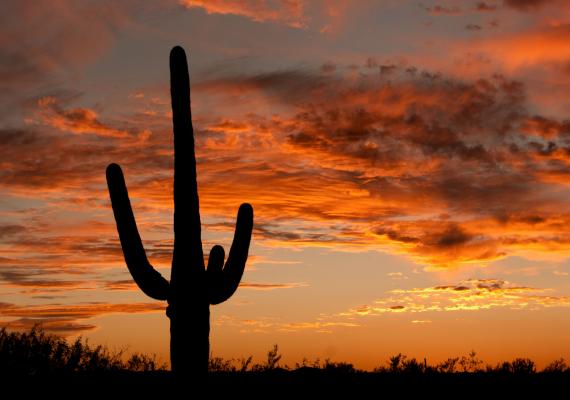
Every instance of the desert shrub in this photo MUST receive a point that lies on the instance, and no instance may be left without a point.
(395, 362)
(338, 367)
(37, 352)
(272, 363)
(519, 366)
(470, 362)
(557, 366)
(448, 366)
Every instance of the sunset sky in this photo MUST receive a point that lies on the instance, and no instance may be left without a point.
(408, 163)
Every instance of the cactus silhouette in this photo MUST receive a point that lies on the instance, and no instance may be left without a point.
(192, 288)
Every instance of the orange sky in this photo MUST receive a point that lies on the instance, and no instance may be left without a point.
(408, 163)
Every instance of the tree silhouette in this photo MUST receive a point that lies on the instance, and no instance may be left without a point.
(192, 287)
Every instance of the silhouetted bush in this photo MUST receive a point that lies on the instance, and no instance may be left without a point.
(338, 367)
(36, 352)
(448, 366)
(557, 366)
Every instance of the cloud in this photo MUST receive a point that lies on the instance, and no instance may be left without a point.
(288, 12)
(78, 311)
(7, 230)
(469, 295)
(271, 286)
(42, 159)
(535, 47)
(66, 318)
(526, 5)
(473, 27)
(438, 168)
(125, 284)
(442, 169)
(275, 325)
(482, 6)
(405, 135)
(443, 10)
(72, 34)
(76, 120)
(63, 327)
(443, 246)
(29, 279)
(397, 275)
(129, 284)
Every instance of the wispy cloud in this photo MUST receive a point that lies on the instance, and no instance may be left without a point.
(273, 325)
(469, 295)
(288, 12)
(271, 286)
(66, 318)
(77, 120)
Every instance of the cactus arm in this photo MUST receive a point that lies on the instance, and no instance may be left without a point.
(187, 231)
(151, 282)
(216, 260)
(224, 288)
(214, 269)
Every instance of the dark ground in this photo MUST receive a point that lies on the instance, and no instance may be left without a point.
(306, 383)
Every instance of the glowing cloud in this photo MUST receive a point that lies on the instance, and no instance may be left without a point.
(289, 12)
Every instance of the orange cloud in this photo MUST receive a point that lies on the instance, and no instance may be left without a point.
(266, 325)
(130, 285)
(441, 169)
(445, 168)
(543, 45)
(289, 12)
(77, 120)
(79, 311)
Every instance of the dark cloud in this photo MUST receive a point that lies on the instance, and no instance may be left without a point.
(441, 244)
(452, 236)
(483, 6)
(443, 10)
(526, 5)
(29, 279)
(286, 85)
(396, 236)
(8, 230)
(473, 27)
(126, 284)
(414, 115)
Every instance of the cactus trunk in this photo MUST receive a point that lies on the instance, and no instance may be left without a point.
(192, 287)
(189, 340)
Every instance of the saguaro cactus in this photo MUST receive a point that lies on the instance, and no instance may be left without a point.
(192, 288)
